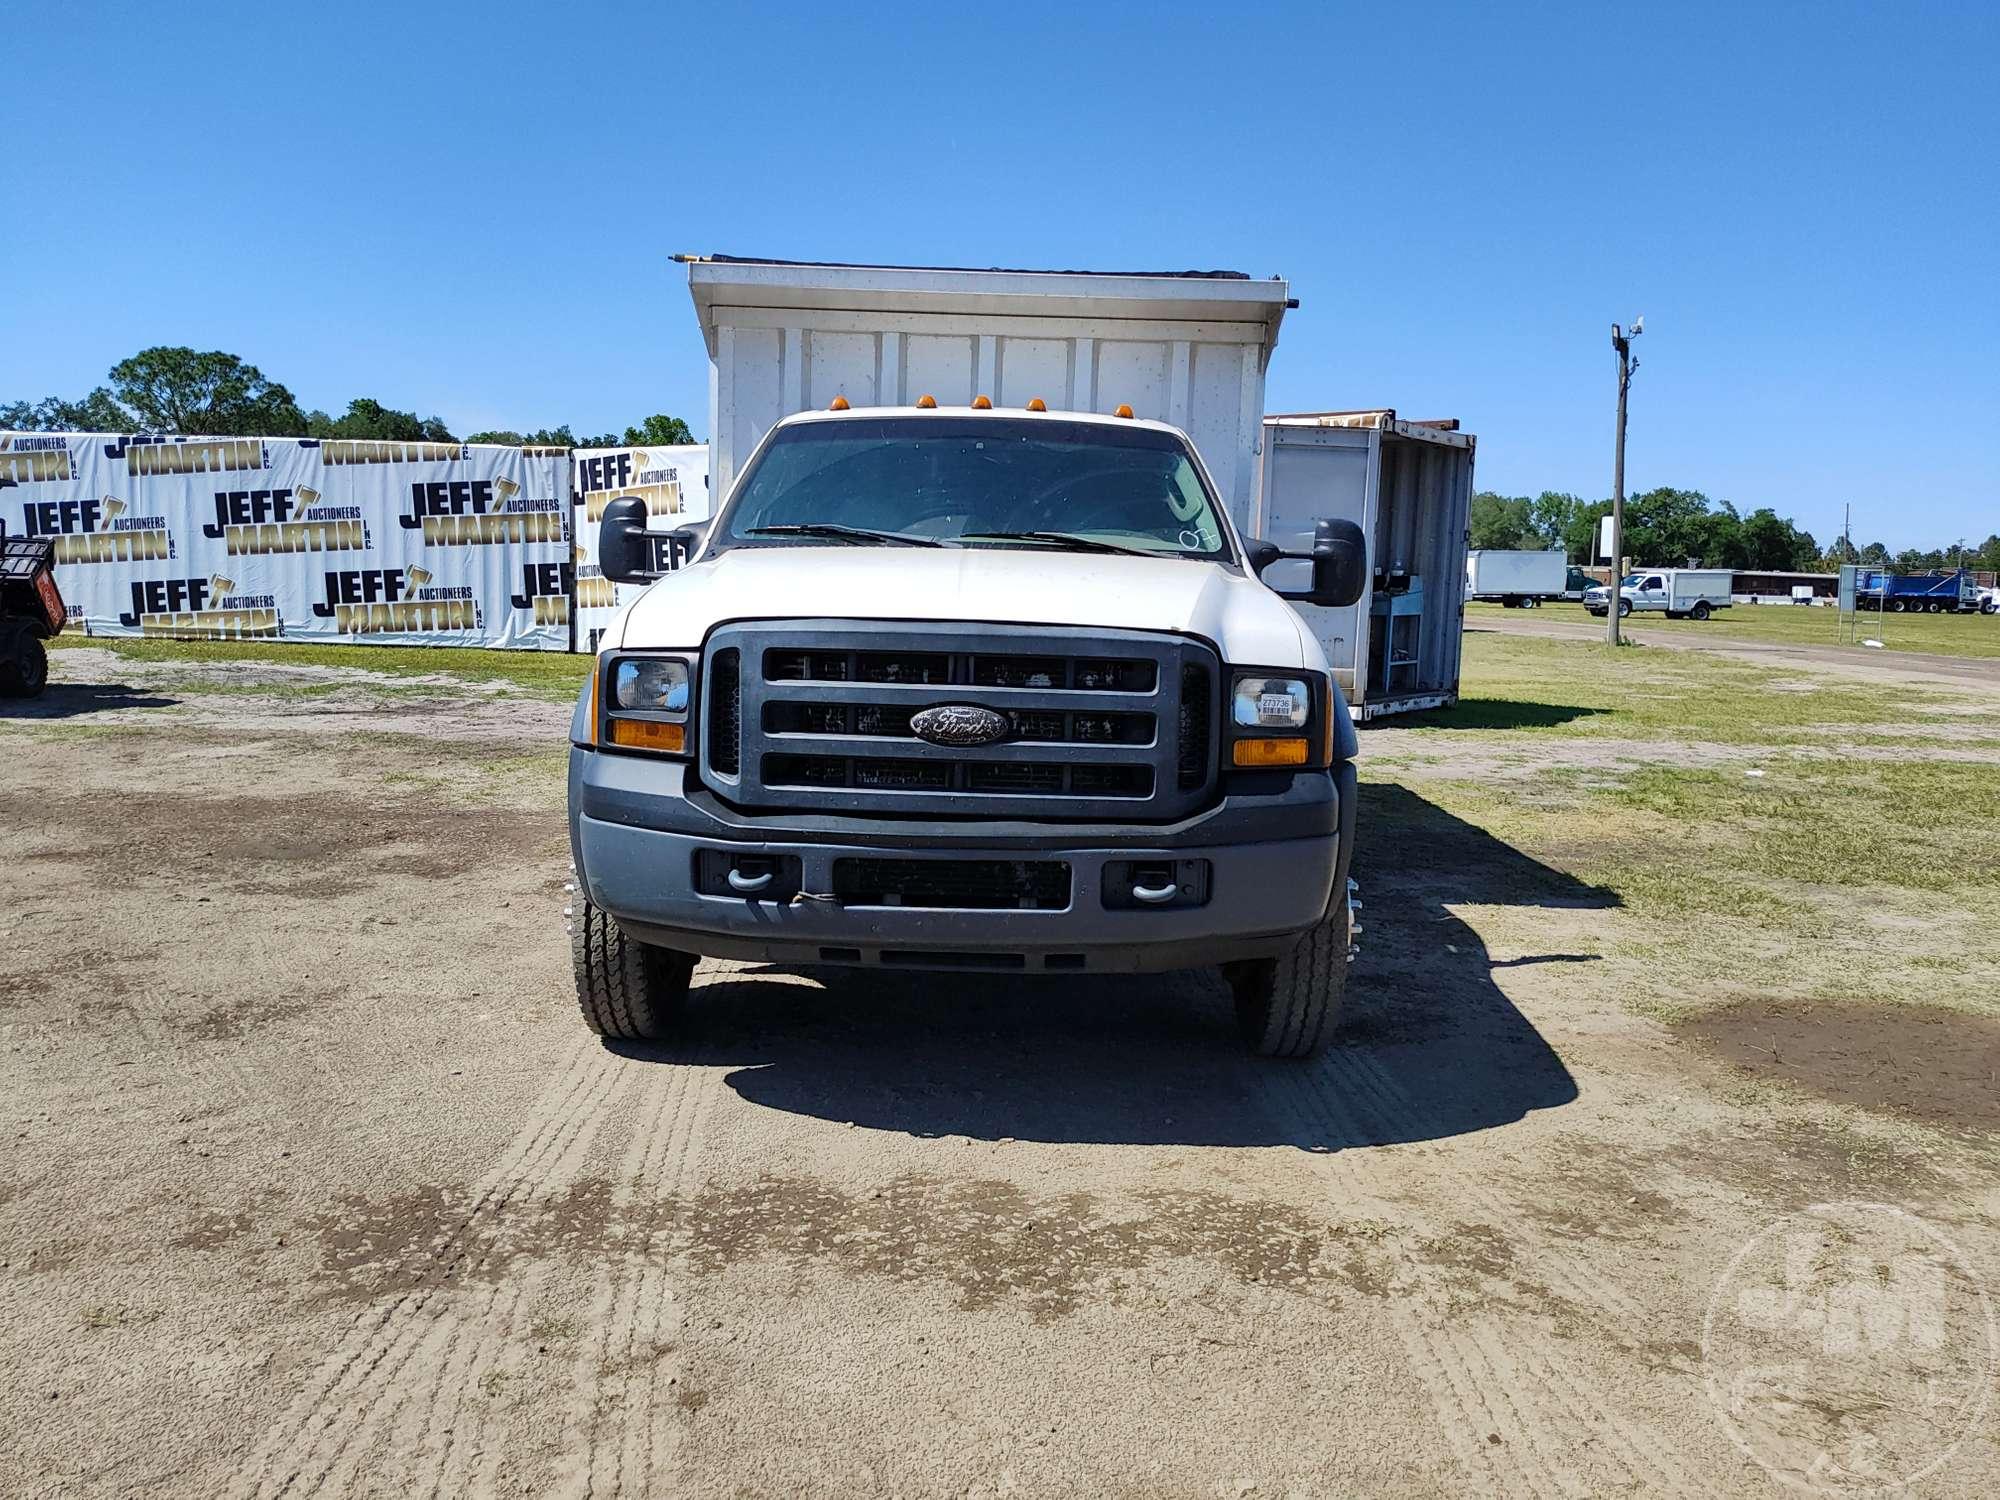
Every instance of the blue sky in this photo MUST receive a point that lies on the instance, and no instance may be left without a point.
(469, 209)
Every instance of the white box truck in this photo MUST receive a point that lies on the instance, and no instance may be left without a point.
(953, 681)
(1519, 580)
(1678, 593)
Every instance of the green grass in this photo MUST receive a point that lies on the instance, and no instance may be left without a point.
(1941, 635)
(1860, 863)
(553, 675)
(1543, 685)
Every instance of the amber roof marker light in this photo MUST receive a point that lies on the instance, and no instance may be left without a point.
(926, 403)
(1038, 404)
(1123, 411)
(838, 403)
(982, 403)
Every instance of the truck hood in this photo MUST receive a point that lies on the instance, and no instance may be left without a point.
(1023, 586)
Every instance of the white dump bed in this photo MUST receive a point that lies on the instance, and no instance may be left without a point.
(1492, 574)
(1186, 348)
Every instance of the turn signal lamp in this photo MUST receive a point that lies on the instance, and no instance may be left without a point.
(649, 734)
(1260, 754)
(926, 403)
(982, 403)
(1038, 404)
(1123, 411)
(839, 403)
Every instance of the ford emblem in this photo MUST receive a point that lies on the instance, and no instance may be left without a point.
(961, 724)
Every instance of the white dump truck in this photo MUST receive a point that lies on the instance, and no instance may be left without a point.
(1517, 579)
(1679, 593)
(1187, 349)
(958, 687)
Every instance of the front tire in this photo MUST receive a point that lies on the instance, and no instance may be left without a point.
(1624, 608)
(24, 664)
(627, 990)
(1288, 1006)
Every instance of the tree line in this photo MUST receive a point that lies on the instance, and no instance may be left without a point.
(177, 391)
(1667, 527)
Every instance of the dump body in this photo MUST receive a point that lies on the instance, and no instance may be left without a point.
(1408, 485)
(29, 597)
(1515, 577)
(1189, 349)
(1934, 593)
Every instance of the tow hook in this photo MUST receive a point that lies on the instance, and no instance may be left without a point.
(1353, 918)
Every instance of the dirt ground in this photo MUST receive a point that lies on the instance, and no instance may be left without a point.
(318, 1186)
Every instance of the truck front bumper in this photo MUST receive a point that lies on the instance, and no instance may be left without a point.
(649, 854)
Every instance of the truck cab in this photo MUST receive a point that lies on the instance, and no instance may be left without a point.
(956, 688)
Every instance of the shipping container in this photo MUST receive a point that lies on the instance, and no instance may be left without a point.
(1408, 485)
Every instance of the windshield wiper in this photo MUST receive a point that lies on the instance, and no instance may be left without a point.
(1068, 541)
(834, 531)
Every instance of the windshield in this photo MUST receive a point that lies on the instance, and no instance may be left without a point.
(976, 482)
(1630, 580)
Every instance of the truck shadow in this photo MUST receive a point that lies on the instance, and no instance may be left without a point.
(1495, 713)
(70, 700)
(1430, 1046)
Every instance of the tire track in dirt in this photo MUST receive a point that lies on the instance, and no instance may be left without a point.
(353, 1401)
(1465, 1408)
(475, 1321)
(1558, 1414)
(630, 1434)
(1382, 1102)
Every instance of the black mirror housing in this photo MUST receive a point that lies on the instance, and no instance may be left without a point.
(630, 553)
(624, 551)
(1339, 561)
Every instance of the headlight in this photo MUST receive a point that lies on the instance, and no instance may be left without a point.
(1272, 721)
(655, 685)
(1271, 703)
(646, 703)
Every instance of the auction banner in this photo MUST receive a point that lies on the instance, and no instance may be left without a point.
(673, 482)
(433, 544)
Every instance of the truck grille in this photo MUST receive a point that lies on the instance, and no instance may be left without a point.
(985, 884)
(811, 714)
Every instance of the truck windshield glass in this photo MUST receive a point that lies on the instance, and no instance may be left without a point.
(959, 480)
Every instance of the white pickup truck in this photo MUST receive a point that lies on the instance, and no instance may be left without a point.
(1679, 593)
(959, 688)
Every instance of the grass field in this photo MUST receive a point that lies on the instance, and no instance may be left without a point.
(1943, 635)
(1762, 832)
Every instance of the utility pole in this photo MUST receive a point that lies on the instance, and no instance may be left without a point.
(1621, 341)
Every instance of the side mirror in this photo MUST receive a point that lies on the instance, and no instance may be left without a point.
(625, 549)
(1339, 561)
